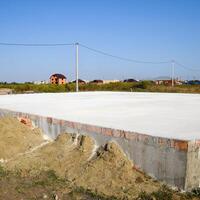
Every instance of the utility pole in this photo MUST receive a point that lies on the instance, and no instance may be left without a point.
(172, 63)
(76, 48)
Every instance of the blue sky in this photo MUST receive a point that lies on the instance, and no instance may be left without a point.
(151, 30)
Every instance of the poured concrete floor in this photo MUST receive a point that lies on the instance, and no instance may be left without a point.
(158, 114)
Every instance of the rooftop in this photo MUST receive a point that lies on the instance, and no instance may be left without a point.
(59, 76)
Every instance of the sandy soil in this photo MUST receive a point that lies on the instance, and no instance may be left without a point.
(105, 172)
(16, 138)
(109, 172)
(67, 155)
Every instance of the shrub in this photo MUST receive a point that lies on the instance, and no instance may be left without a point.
(144, 196)
(196, 192)
(164, 193)
(3, 173)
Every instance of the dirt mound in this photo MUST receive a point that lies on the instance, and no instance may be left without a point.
(16, 138)
(67, 156)
(111, 173)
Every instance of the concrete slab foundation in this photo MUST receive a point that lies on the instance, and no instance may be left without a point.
(175, 162)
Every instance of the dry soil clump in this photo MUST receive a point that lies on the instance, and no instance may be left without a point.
(16, 138)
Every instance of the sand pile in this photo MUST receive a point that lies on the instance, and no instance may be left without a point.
(16, 138)
(109, 172)
(67, 156)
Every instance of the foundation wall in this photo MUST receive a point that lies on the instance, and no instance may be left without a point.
(164, 159)
(193, 165)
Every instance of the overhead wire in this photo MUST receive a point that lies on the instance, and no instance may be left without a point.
(32, 44)
(184, 67)
(122, 58)
(97, 51)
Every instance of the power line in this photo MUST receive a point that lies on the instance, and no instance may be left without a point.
(184, 67)
(123, 58)
(31, 44)
(95, 50)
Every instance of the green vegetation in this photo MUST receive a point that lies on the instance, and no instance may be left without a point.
(144, 196)
(142, 86)
(90, 194)
(165, 193)
(24, 87)
(48, 185)
(196, 192)
(3, 172)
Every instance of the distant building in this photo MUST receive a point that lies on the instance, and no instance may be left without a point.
(110, 81)
(168, 82)
(58, 79)
(97, 82)
(40, 82)
(193, 82)
(131, 80)
(80, 81)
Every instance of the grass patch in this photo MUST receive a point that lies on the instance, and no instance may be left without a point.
(48, 178)
(144, 196)
(47, 182)
(164, 193)
(90, 195)
(196, 192)
(3, 172)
